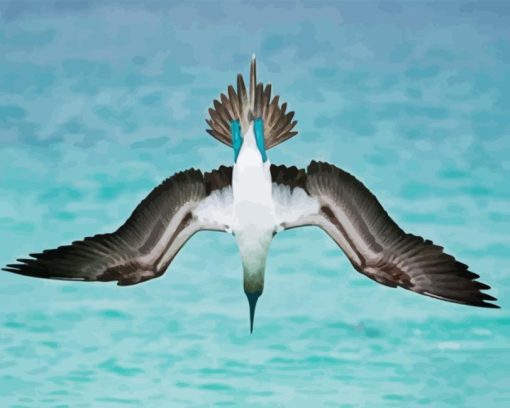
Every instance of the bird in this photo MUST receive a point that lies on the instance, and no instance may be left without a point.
(254, 200)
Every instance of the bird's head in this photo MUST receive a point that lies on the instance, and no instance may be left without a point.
(253, 288)
(254, 256)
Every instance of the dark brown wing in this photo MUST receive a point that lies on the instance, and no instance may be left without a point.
(376, 246)
(144, 246)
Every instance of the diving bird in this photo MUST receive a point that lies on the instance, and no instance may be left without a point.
(254, 200)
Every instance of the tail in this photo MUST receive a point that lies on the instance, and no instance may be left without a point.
(239, 105)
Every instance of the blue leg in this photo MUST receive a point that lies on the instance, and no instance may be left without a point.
(237, 141)
(259, 137)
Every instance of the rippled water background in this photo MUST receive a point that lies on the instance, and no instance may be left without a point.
(99, 103)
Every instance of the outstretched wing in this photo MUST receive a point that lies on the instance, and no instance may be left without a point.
(334, 200)
(144, 246)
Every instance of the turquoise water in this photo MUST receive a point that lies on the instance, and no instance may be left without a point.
(99, 103)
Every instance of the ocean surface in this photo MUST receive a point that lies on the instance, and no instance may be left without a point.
(100, 101)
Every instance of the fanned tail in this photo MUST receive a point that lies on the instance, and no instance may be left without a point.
(278, 124)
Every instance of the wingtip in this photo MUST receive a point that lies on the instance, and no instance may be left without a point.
(12, 267)
(488, 305)
(484, 300)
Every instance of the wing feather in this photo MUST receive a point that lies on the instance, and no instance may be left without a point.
(376, 246)
(143, 247)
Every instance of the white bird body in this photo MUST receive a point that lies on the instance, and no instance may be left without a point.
(254, 219)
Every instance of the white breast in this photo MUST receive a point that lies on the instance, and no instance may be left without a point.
(252, 189)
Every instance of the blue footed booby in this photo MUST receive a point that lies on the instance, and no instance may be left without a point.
(254, 200)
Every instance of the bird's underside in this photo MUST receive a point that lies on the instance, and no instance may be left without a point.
(191, 201)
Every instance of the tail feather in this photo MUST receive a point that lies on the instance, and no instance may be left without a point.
(253, 78)
(245, 107)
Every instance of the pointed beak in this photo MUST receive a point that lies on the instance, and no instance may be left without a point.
(252, 300)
